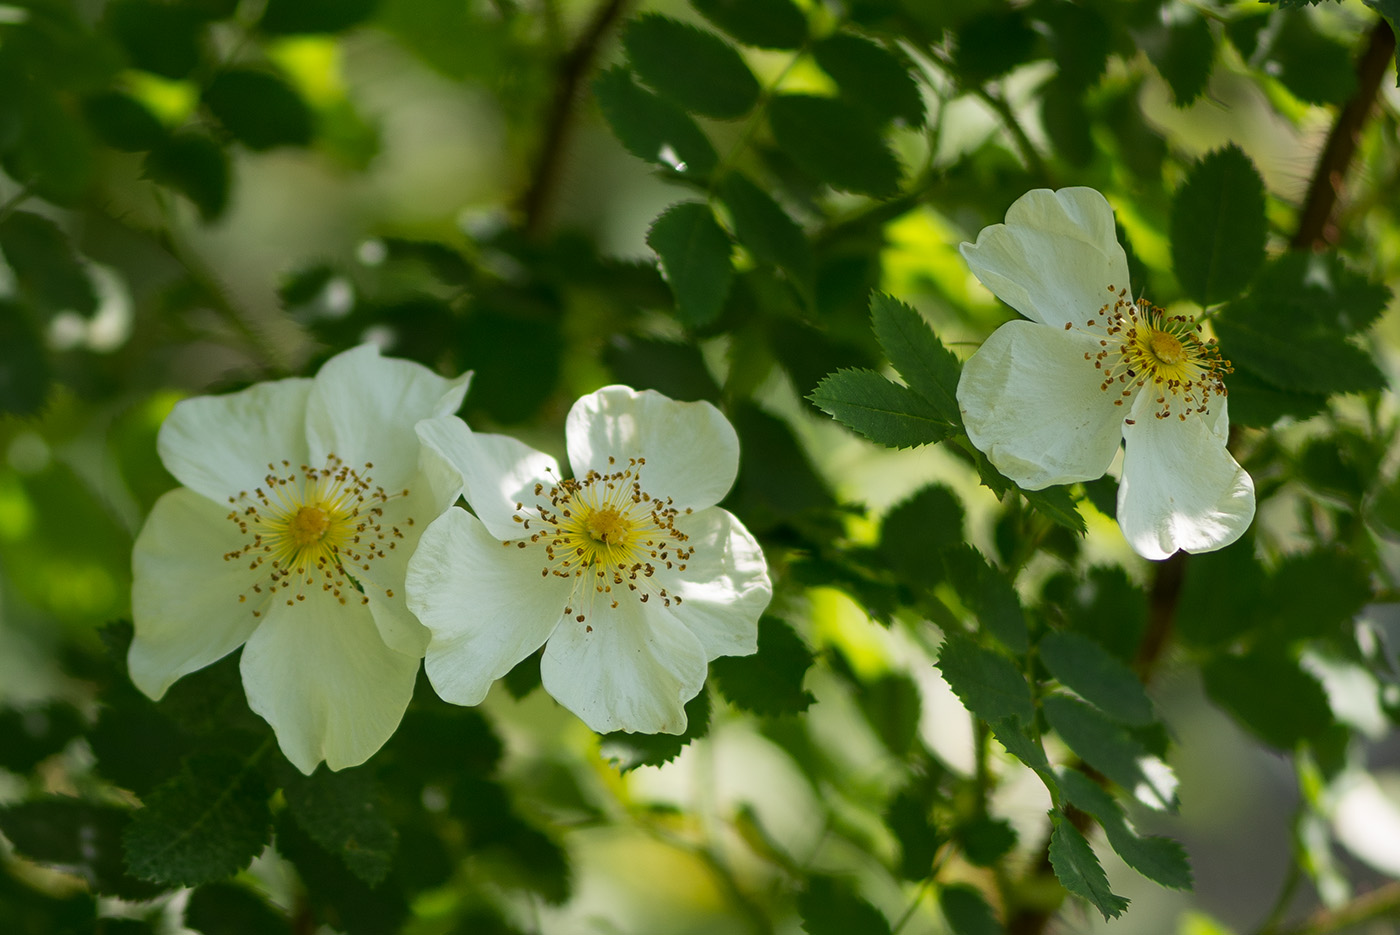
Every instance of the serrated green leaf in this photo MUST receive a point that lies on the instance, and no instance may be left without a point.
(988, 683)
(884, 412)
(628, 751)
(1256, 404)
(1160, 859)
(919, 838)
(1315, 67)
(54, 153)
(230, 909)
(1315, 595)
(80, 837)
(344, 813)
(916, 530)
(1010, 735)
(1317, 363)
(1108, 748)
(1057, 505)
(929, 368)
(767, 24)
(991, 44)
(990, 595)
(652, 128)
(197, 167)
(762, 226)
(1080, 39)
(1218, 226)
(260, 109)
(1271, 695)
(693, 67)
(204, 824)
(892, 704)
(338, 898)
(830, 906)
(835, 143)
(45, 266)
(985, 840)
(1183, 51)
(871, 76)
(770, 681)
(1067, 121)
(1302, 291)
(25, 377)
(285, 17)
(1078, 869)
(694, 254)
(1097, 676)
(966, 912)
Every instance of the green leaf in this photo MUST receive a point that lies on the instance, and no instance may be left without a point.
(1218, 226)
(884, 412)
(1161, 860)
(1078, 869)
(990, 594)
(1315, 67)
(916, 530)
(652, 128)
(693, 67)
(122, 122)
(32, 734)
(1268, 693)
(1080, 39)
(628, 751)
(835, 143)
(830, 906)
(164, 38)
(991, 44)
(344, 812)
(776, 476)
(891, 703)
(919, 838)
(1097, 676)
(1313, 363)
(966, 912)
(1057, 505)
(1019, 744)
(1315, 595)
(283, 17)
(196, 166)
(930, 369)
(1183, 51)
(1108, 748)
(767, 24)
(769, 682)
(669, 367)
(985, 840)
(230, 909)
(1302, 290)
(54, 154)
(337, 897)
(871, 77)
(80, 837)
(1256, 404)
(204, 824)
(694, 254)
(25, 376)
(260, 109)
(988, 683)
(763, 227)
(46, 268)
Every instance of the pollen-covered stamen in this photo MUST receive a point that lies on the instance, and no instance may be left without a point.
(312, 528)
(608, 535)
(1144, 345)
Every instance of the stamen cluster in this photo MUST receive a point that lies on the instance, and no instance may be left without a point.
(1144, 344)
(607, 534)
(313, 526)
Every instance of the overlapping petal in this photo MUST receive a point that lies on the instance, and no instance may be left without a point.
(383, 580)
(320, 674)
(1032, 404)
(497, 471)
(487, 604)
(691, 450)
(1180, 488)
(1054, 258)
(724, 587)
(184, 596)
(219, 445)
(631, 669)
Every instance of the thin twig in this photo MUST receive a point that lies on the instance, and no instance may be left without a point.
(1380, 903)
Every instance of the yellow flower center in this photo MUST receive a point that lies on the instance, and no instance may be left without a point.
(312, 528)
(1144, 345)
(608, 535)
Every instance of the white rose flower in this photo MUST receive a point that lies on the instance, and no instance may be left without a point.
(1048, 400)
(302, 502)
(627, 570)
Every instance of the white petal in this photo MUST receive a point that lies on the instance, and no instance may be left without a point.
(631, 669)
(1181, 489)
(321, 676)
(486, 604)
(363, 407)
(384, 579)
(1054, 258)
(184, 595)
(497, 471)
(724, 587)
(691, 450)
(1032, 403)
(219, 445)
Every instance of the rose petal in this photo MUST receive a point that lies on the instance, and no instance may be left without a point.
(1033, 405)
(724, 587)
(184, 594)
(691, 450)
(383, 580)
(1055, 257)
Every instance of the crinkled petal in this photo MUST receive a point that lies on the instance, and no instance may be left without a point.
(184, 595)
(691, 450)
(1032, 403)
(497, 471)
(724, 587)
(219, 445)
(632, 668)
(1180, 489)
(486, 604)
(321, 676)
(363, 407)
(383, 580)
(1054, 258)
